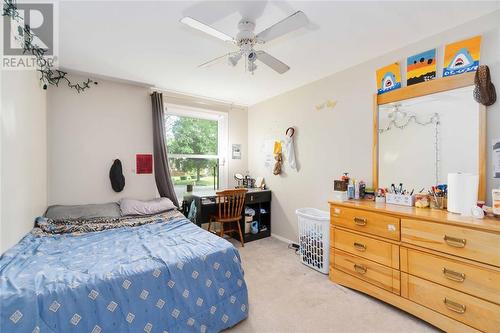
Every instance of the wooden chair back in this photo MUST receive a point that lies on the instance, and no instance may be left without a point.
(230, 204)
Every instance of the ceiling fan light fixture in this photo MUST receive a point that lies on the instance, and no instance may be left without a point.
(233, 60)
(252, 67)
(246, 39)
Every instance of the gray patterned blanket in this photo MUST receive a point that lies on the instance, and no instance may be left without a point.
(45, 226)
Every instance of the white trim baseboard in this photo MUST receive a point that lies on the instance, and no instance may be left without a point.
(283, 239)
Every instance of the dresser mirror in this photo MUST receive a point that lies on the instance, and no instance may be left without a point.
(425, 135)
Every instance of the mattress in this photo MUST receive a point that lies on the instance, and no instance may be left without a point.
(166, 276)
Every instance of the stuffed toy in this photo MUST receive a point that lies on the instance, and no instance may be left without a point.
(277, 166)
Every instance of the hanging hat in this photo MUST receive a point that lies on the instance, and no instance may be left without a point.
(116, 176)
(484, 90)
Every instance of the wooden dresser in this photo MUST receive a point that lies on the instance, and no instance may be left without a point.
(438, 266)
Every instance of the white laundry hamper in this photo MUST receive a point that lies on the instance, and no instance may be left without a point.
(314, 238)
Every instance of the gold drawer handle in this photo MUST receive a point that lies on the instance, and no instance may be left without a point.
(455, 242)
(360, 221)
(360, 269)
(452, 275)
(360, 247)
(454, 306)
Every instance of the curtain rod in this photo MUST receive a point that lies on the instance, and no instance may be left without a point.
(198, 100)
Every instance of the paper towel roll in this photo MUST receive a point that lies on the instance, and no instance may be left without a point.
(462, 193)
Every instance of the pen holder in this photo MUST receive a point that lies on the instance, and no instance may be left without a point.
(437, 202)
(399, 199)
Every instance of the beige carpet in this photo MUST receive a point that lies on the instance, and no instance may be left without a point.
(286, 296)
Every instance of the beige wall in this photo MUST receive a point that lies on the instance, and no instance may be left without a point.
(87, 131)
(23, 155)
(330, 142)
(238, 134)
(112, 120)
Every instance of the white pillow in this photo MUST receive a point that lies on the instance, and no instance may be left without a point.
(149, 207)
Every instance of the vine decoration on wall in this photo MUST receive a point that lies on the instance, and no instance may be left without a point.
(48, 74)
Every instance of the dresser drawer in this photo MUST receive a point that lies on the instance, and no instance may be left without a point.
(467, 309)
(471, 279)
(382, 252)
(364, 221)
(463, 242)
(369, 271)
(257, 197)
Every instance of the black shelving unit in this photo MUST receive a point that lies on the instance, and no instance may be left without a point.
(255, 199)
(262, 216)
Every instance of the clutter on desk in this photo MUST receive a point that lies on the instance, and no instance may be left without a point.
(340, 188)
(246, 181)
(422, 200)
(439, 196)
(260, 183)
(398, 195)
(380, 195)
(348, 188)
(341, 185)
(399, 199)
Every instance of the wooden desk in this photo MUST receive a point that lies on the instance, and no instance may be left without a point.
(256, 199)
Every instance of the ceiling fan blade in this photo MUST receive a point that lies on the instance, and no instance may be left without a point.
(216, 60)
(292, 22)
(272, 62)
(195, 24)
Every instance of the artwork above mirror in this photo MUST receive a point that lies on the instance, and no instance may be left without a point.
(422, 139)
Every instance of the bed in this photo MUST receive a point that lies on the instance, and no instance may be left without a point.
(159, 274)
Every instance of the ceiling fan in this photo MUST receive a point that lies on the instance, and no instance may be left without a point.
(246, 39)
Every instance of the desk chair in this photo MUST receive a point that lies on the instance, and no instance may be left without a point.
(230, 205)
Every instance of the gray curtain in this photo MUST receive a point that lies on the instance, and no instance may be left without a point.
(162, 170)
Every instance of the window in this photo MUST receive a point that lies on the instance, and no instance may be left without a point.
(196, 142)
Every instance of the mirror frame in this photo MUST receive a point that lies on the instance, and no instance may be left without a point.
(427, 88)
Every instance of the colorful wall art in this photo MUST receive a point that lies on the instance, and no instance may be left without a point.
(144, 164)
(421, 67)
(462, 57)
(389, 78)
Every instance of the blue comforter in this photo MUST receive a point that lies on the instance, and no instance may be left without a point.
(169, 276)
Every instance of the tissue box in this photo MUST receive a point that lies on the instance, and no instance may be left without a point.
(399, 199)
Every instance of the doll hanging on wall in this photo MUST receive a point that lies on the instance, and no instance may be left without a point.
(278, 157)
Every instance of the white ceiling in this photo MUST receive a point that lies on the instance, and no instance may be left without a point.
(144, 41)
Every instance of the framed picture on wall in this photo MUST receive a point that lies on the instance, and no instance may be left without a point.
(144, 164)
(421, 67)
(236, 152)
(389, 78)
(462, 57)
